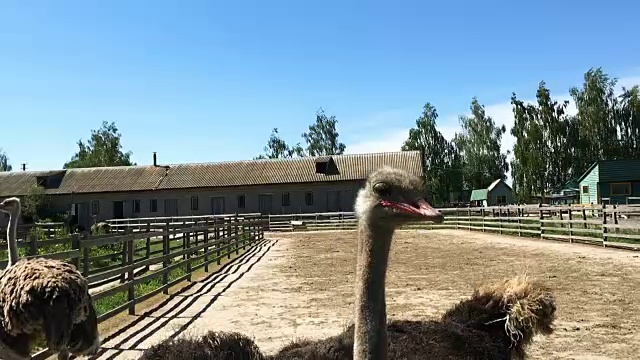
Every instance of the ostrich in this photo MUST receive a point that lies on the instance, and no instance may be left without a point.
(474, 328)
(43, 297)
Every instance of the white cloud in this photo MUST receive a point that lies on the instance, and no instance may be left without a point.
(390, 141)
(501, 113)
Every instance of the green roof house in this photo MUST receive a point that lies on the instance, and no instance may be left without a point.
(498, 193)
(611, 182)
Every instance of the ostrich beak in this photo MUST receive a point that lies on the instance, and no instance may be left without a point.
(420, 208)
(429, 212)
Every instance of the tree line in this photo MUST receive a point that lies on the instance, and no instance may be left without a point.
(552, 146)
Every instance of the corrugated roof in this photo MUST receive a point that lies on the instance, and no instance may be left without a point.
(230, 173)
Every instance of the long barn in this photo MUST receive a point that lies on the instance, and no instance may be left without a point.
(275, 186)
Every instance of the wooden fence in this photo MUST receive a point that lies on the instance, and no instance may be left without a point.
(140, 252)
(607, 225)
(48, 230)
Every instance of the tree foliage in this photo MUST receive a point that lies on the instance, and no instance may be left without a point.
(541, 160)
(553, 147)
(322, 137)
(103, 149)
(440, 158)
(4, 161)
(35, 205)
(479, 143)
(277, 148)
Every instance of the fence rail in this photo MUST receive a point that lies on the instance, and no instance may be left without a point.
(142, 259)
(608, 225)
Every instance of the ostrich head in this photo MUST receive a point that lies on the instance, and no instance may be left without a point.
(10, 206)
(392, 196)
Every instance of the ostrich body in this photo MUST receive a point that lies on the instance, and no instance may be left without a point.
(43, 297)
(472, 329)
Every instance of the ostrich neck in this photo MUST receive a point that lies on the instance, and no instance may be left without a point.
(12, 238)
(374, 242)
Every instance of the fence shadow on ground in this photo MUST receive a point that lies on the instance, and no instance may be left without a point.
(252, 257)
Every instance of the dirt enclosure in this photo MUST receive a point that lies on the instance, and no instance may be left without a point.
(302, 286)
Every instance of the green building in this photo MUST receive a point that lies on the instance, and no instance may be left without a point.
(498, 193)
(611, 182)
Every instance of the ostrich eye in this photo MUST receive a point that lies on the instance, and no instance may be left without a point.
(382, 189)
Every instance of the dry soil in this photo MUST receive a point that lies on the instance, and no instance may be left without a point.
(301, 285)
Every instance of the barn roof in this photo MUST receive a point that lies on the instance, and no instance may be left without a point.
(482, 194)
(615, 170)
(197, 175)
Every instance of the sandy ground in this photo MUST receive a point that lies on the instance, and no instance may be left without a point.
(301, 285)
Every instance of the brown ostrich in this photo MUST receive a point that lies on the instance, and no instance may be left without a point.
(470, 330)
(43, 297)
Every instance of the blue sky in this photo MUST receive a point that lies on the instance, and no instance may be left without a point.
(207, 80)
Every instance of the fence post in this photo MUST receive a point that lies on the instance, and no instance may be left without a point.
(187, 242)
(86, 251)
(570, 225)
(131, 295)
(604, 225)
(206, 248)
(236, 235)
(520, 216)
(509, 220)
(615, 219)
(541, 223)
(216, 239)
(33, 244)
(457, 218)
(147, 245)
(184, 239)
(123, 253)
(75, 245)
(227, 237)
(500, 220)
(165, 254)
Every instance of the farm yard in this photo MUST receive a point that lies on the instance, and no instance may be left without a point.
(301, 285)
(276, 279)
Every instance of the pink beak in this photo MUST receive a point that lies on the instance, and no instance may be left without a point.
(423, 209)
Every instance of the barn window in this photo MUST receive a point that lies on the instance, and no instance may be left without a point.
(620, 189)
(241, 201)
(95, 207)
(194, 203)
(308, 198)
(286, 199)
(502, 199)
(153, 205)
(136, 206)
(585, 189)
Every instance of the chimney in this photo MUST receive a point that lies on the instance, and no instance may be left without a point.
(155, 159)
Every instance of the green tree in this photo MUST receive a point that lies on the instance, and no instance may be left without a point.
(597, 106)
(628, 122)
(440, 158)
(35, 204)
(322, 137)
(4, 161)
(102, 149)
(479, 145)
(545, 137)
(277, 148)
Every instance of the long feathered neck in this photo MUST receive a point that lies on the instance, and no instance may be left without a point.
(12, 237)
(374, 242)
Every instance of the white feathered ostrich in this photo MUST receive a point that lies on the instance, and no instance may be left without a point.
(43, 297)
